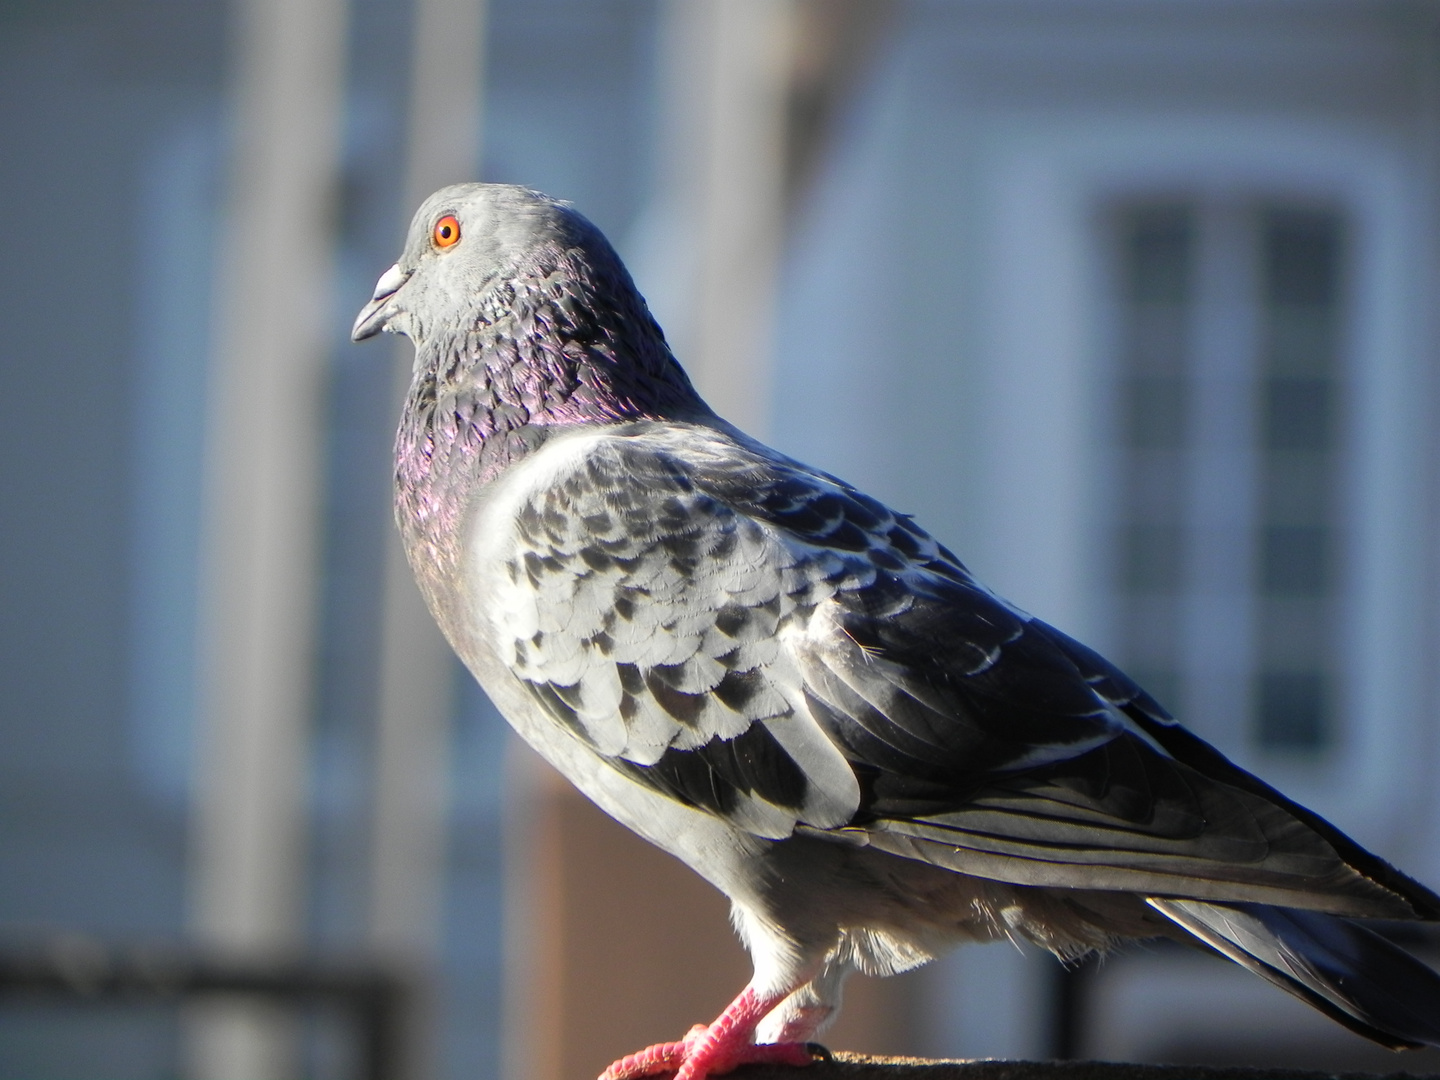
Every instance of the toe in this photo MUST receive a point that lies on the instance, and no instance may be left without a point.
(652, 1061)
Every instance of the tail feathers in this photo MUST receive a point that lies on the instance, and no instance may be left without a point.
(1348, 972)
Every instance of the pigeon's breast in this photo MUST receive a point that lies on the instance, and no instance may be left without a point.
(487, 593)
(496, 606)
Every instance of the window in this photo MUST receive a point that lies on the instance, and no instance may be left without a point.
(1228, 442)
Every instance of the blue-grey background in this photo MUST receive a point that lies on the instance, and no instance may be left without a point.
(945, 336)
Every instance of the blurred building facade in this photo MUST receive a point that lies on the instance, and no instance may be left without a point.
(1129, 301)
(113, 153)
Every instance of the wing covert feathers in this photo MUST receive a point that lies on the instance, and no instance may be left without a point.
(648, 617)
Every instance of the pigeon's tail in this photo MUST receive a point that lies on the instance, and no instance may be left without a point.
(1348, 972)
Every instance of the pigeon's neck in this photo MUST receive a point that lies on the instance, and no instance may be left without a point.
(566, 341)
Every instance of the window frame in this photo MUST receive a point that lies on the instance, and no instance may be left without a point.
(1048, 428)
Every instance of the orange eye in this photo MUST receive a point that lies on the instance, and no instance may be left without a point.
(447, 232)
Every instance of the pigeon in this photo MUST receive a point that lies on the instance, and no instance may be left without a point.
(798, 691)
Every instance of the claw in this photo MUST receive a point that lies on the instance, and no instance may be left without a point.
(819, 1052)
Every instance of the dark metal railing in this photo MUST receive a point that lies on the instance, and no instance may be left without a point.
(378, 999)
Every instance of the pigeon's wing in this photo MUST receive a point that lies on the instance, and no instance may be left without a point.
(657, 600)
(991, 743)
(964, 763)
(767, 644)
(1189, 751)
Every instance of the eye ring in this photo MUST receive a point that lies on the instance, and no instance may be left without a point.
(446, 233)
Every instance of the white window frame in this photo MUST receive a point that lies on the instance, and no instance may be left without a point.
(1048, 422)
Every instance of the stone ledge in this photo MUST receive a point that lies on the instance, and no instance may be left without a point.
(860, 1067)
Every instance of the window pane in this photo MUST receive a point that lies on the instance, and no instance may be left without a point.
(1300, 340)
(1158, 254)
(1295, 560)
(1302, 259)
(1155, 245)
(1297, 493)
(1297, 446)
(1291, 710)
(1297, 413)
(1154, 412)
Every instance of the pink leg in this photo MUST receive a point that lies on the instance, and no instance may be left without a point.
(710, 1051)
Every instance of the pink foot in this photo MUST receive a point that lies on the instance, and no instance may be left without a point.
(664, 1058)
(660, 1058)
(712, 1051)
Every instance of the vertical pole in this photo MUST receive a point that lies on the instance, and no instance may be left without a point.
(1425, 33)
(262, 511)
(725, 81)
(1069, 1019)
(417, 669)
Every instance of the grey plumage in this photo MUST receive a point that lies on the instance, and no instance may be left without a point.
(798, 691)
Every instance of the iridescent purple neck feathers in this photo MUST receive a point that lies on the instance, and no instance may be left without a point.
(563, 339)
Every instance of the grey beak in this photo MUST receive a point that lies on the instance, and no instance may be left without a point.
(376, 314)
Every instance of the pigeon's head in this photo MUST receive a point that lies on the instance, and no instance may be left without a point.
(520, 297)
(464, 241)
